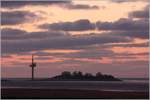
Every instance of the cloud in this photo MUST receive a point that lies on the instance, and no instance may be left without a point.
(16, 17)
(126, 27)
(131, 34)
(123, 25)
(65, 4)
(57, 42)
(90, 54)
(124, 1)
(8, 33)
(139, 45)
(79, 25)
(80, 6)
(100, 52)
(97, 52)
(17, 34)
(18, 4)
(140, 14)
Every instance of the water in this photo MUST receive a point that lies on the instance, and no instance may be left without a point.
(125, 85)
(137, 80)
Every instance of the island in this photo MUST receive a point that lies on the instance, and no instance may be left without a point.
(79, 76)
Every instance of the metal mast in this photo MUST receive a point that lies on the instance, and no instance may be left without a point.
(33, 65)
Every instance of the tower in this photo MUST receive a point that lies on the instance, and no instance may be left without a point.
(33, 65)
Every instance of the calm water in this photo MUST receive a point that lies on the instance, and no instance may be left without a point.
(125, 85)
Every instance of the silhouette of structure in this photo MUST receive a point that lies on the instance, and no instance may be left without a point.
(33, 65)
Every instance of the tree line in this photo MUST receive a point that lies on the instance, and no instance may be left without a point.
(78, 75)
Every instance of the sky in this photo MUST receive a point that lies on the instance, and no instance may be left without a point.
(107, 36)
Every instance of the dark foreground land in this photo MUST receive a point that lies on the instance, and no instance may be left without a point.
(69, 93)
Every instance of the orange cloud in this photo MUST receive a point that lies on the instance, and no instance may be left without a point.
(129, 50)
(62, 51)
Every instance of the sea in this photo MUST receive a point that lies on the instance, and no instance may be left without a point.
(127, 84)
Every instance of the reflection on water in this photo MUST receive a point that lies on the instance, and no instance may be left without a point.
(137, 81)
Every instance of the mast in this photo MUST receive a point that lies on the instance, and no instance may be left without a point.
(33, 65)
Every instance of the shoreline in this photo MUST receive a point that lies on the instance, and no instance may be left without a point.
(20, 93)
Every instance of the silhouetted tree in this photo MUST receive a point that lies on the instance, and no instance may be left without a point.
(80, 74)
(77, 74)
(88, 75)
(99, 74)
(66, 74)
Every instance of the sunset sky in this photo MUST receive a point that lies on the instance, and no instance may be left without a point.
(108, 36)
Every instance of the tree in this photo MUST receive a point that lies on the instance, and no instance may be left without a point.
(77, 74)
(66, 74)
(99, 75)
(88, 75)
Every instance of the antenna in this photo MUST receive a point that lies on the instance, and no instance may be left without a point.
(33, 65)
(32, 58)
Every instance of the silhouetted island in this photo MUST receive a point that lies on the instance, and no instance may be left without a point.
(79, 76)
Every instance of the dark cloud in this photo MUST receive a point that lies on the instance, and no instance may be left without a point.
(66, 41)
(91, 54)
(16, 17)
(132, 34)
(123, 1)
(8, 33)
(83, 53)
(140, 14)
(96, 52)
(79, 25)
(80, 6)
(128, 26)
(124, 25)
(65, 4)
(139, 45)
(18, 4)
(100, 53)
(16, 34)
